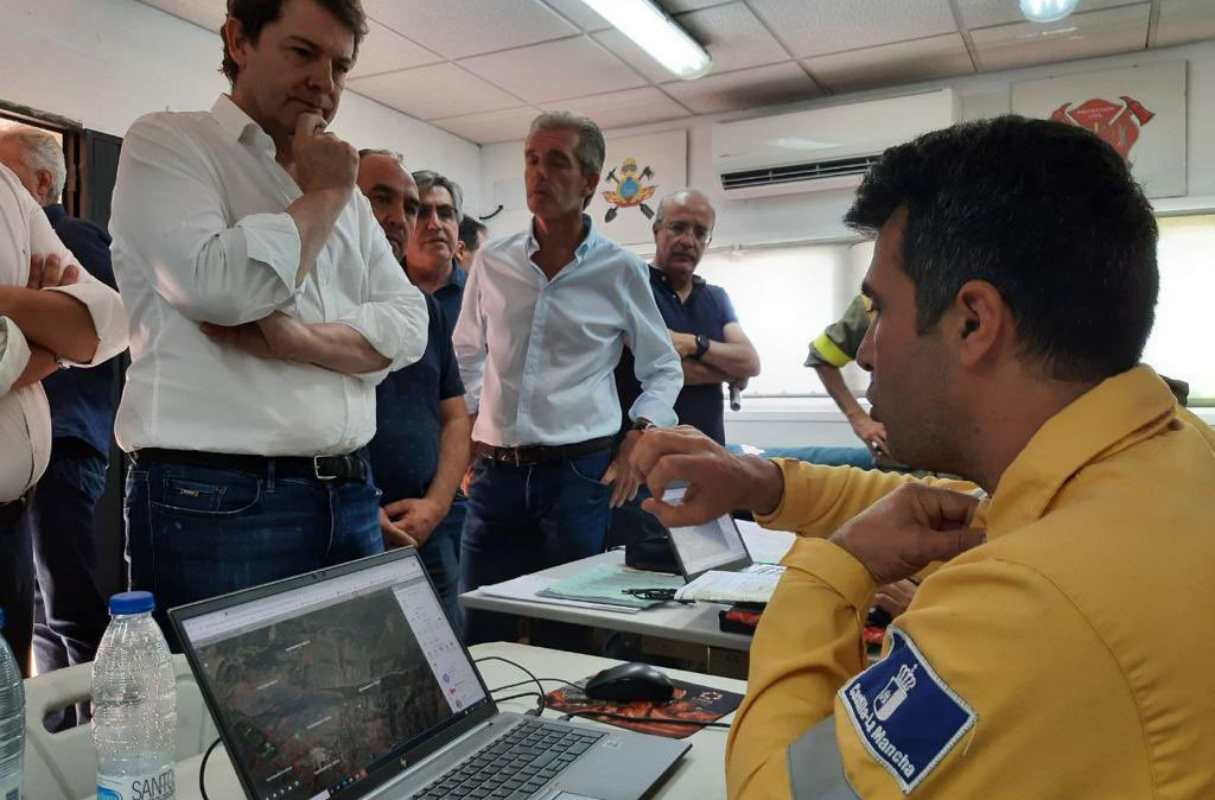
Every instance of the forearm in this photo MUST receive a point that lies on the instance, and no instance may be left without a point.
(833, 381)
(315, 214)
(52, 320)
(41, 364)
(807, 645)
(340, 348)
(696, 373)
(455, 445)
(735, 359)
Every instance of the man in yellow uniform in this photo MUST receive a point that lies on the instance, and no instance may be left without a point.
(1055, 653)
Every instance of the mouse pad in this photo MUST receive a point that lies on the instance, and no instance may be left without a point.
(690, 703)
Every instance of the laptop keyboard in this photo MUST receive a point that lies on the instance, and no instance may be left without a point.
(514, 766)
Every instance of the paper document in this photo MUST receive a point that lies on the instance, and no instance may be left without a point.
(766, 547)
(753, 586)
(526, 589)
(604, 584)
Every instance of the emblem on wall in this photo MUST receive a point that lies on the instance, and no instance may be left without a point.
(1117, 124)
(631, 189)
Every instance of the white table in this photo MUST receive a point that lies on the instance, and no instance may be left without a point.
(700, 774)
(695, 624)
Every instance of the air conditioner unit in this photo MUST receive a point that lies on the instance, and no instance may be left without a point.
(823, 148)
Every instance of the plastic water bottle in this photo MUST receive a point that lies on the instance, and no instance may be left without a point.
(134, 705)
(12, 722)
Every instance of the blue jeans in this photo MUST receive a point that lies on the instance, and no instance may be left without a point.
(63, 519)
(195, 532)
(525, 519)
(441, 556)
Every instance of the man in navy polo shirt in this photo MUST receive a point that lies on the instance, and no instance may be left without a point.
(699, 316)
(430, 258)
(421, 444)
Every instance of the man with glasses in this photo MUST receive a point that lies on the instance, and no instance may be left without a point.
(699, 316)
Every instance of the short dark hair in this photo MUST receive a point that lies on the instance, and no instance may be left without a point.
(253, 15)
(428, 179)
(470, 230)
(1048, 214)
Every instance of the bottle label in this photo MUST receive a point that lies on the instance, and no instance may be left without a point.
(157, 786)
(10, 788)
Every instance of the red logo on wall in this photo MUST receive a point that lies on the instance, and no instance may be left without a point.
(1116, 123)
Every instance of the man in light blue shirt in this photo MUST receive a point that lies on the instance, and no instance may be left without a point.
(546, 315)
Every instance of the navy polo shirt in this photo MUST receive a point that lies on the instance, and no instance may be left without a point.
(707, 311)
(451, 296)
(405, 449)
(82, 399)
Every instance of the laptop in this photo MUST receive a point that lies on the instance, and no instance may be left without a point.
(715, 545)
(349, 682)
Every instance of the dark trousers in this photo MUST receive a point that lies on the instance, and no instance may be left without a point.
(17, 583)
(195, 532)
(524, 519)
(63, 525)
(441, 557)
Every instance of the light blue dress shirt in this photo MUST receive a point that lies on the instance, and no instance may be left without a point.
(537, 356)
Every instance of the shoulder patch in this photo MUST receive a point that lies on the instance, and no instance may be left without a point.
(906, 716)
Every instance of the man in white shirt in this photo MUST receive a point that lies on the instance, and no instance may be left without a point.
(52, 314)
(266, 305)
(545, 317)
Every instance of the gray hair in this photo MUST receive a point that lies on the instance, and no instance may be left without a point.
(372, 151)
(682, 195)
(429, 179)
(591, 149)
(41, 151)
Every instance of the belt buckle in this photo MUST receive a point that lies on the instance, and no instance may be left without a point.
(316, 470)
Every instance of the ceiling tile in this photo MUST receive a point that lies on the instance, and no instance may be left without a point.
(831, 26)
(209, 14)
(892, 64)
(624, 109)
(458, 28)
(732, 34)
(496, 126)
(439, 90)
(1097, 33)
(748, 88)
(579, 13)
(1185, 21)
(570, 68)
(385, 50)
(985, 13)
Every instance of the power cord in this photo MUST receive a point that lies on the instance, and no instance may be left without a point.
(540, 700)
(202, 771)
(549, 680)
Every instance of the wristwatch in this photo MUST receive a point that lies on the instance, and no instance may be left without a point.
(643, 424)
(702, 346)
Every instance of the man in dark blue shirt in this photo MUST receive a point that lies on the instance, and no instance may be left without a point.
(61, 517)
(421, 445)
(430, 257)
(699, 315)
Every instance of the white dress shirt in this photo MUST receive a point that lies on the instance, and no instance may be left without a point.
(201, 234)
(537, 356)
(25, 417)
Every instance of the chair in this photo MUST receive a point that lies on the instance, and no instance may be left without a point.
(63, 766)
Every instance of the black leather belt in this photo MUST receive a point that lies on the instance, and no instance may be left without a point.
(349, 467)
(528, 455)
(11, 511)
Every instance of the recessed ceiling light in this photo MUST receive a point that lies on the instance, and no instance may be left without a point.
(653, 30)
(1047, 10)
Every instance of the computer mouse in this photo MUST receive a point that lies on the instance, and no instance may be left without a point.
(632, 681)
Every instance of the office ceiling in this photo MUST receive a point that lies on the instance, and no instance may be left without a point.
(482, 69)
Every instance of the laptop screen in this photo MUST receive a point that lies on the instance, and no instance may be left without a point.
(329, 680)
(713, 545)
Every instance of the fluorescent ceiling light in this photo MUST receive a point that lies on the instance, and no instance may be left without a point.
(1047, 10)
(656, 33)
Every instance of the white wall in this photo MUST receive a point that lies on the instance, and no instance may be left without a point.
(106, 62)
(809, 217)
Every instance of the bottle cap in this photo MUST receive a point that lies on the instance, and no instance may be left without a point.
(132, 603)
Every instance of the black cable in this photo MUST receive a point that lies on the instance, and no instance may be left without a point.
(202, 771)
(524, 670)
(663, 720)
(516, 696)
(550, 680)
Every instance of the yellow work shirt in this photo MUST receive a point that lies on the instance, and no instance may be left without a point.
(1070, 656)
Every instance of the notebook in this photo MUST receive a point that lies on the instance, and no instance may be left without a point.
(350, 683)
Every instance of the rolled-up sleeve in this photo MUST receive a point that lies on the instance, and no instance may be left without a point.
(656, 364)
(169, 222)
(468, 339)
(393, 317)
(14, 354)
